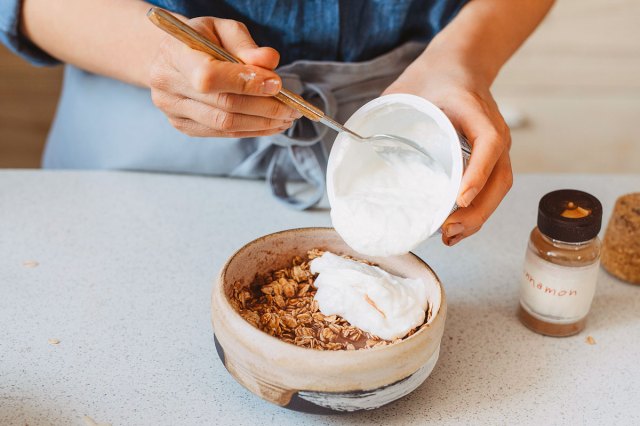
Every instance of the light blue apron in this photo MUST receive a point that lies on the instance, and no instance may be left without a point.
(105, 124)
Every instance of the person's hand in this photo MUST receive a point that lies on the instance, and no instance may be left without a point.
(202, 96)
(468, 103)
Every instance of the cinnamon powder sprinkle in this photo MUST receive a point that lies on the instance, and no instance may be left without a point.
(372, 303)
(281, 304)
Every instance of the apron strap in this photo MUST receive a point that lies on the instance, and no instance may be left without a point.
(307, 165)
(301, 147)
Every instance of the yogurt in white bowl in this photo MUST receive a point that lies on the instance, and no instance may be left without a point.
(386, 203)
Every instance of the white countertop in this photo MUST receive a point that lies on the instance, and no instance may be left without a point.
(126, 262)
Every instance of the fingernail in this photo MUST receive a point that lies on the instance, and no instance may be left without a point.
(295, 114)
(453, 229)
(270, 87)
(467, 197)
(455, 240)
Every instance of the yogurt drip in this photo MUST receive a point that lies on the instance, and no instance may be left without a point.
(370, 298)
(385, 199)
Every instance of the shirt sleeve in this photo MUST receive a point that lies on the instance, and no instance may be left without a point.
(10, 36)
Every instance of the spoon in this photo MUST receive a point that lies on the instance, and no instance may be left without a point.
(192, 38)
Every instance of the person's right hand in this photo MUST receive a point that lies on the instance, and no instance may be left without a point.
(202, 96)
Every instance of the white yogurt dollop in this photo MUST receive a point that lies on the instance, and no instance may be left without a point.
(370, 298)
(385, 201)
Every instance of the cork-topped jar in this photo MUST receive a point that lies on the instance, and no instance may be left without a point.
(561, 264)
(621, 249)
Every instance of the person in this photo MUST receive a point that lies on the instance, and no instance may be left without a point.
(220, 118)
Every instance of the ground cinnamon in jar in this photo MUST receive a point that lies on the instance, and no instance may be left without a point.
(561, 264)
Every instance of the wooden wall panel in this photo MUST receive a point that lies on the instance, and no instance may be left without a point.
(577, 81)
(28, 97)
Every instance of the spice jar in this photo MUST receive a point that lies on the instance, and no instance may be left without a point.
(561, 264)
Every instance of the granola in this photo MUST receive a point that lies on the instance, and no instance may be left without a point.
(281, 304)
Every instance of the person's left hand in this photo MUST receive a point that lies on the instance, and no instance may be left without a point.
(468, 103)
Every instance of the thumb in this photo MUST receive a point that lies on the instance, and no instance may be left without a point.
(235, 38)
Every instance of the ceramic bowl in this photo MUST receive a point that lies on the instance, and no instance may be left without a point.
(310, 380)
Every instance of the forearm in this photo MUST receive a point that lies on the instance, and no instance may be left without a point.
(484, 35)
(108, 37)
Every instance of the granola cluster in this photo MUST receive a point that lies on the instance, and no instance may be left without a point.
(281, 304)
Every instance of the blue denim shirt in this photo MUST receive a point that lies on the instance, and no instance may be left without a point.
(337, 53)
(324, 30)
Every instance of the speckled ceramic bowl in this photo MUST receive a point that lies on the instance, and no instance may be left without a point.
(307, 379)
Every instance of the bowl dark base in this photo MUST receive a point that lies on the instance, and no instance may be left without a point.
(297, 403)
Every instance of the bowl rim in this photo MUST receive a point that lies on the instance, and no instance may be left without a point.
(303, 350)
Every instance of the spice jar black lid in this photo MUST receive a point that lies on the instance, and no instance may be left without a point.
(569, 215)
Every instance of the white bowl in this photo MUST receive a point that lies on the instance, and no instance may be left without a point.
(393, 114)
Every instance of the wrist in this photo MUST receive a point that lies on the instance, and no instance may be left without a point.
(461, 61)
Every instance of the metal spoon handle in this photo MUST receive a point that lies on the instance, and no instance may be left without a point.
(333, 124)
(192, 38)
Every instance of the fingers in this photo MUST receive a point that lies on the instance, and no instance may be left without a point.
(207, 75)
(467, 221)
(192, 128)
(218, 120)
(489, 136)
(235, 38)
(250, 105)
